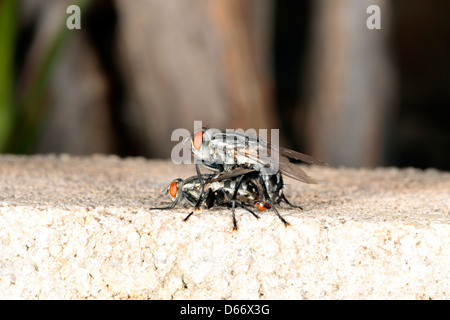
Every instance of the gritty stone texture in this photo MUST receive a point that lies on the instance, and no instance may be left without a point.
(76, 228)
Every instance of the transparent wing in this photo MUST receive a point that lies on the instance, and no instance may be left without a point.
(254, 151)
(291, 154)
(293, 171)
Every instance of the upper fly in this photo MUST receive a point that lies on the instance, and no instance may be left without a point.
(222, 150)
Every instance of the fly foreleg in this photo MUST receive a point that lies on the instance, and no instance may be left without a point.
(167, 208)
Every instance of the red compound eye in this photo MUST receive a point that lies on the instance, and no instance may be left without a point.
(197, 140)
(173, 189)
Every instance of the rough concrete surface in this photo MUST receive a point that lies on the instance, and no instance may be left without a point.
(79, 227)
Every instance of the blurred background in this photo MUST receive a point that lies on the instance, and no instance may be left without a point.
(139, 69)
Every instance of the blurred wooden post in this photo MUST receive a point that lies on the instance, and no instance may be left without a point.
(78, 120)
(350, 83)
(190, 60)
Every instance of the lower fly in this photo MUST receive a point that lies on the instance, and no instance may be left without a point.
(227, 192)
(245, 191)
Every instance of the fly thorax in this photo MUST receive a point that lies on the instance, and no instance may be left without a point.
(223, 151)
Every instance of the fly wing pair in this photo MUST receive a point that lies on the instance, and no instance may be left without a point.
(254, 156)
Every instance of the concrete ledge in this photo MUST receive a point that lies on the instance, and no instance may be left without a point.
(80, 228)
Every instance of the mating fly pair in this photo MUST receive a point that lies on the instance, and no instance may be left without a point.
(245, 175)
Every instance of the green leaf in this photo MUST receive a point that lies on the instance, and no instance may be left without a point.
(31, 107)
(8, 22)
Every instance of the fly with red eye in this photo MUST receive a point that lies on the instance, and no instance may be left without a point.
(244, 191)
(228, 192)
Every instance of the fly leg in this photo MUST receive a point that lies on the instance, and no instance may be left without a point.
(200, 200)
(233, 201)
(167, 208)
(202, 183)
(266, 194)
(278, 214)
(188, 216)
(290, 204)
